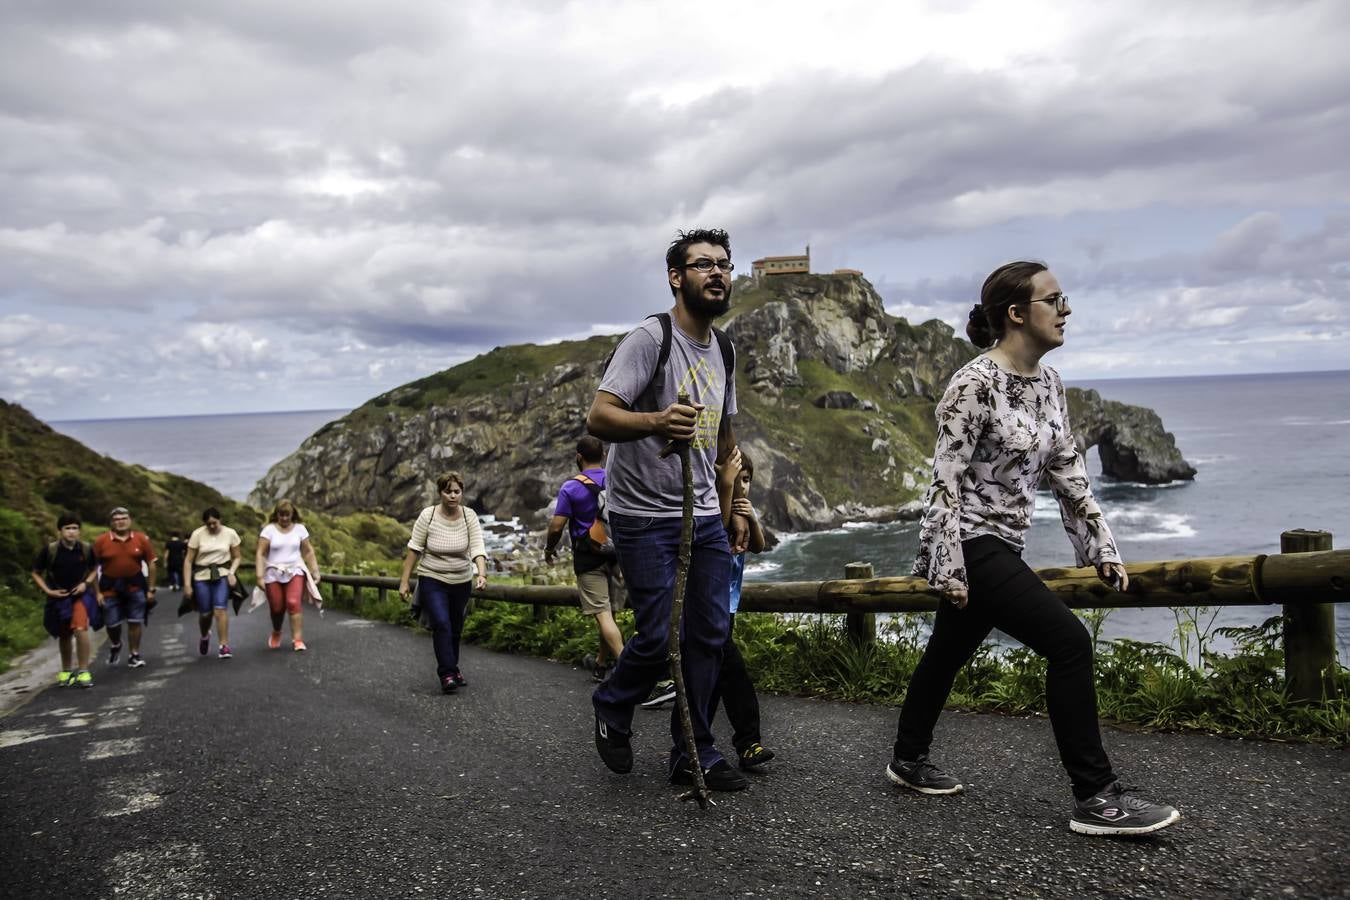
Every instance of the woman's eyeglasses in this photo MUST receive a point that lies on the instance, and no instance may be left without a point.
(1060, 300)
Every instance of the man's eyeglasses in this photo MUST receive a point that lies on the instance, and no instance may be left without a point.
(1060, 300)
(707, 265)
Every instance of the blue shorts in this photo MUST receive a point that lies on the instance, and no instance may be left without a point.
(127, 605)
(211, 594)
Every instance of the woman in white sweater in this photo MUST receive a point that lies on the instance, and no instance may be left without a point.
(1003, 428)
(447, 548)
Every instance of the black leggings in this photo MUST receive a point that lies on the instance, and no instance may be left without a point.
(1005, 594)
(736, 692)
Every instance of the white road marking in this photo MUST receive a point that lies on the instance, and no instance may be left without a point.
(77, 722)
(356, 623)
(130, 794)
(124, 720)
(16, 736)
(173, 869)
(110, 749)
(150, 684)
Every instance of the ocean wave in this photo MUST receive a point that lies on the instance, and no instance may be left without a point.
(1142, 525)
(762, 568)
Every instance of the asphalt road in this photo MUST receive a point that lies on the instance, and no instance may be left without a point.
(343, 772)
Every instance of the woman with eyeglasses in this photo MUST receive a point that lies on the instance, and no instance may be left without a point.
(1003, 428)
(447, 548)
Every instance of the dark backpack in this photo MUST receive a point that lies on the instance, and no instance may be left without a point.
(596, 540)
(646, 400)
(86, 554)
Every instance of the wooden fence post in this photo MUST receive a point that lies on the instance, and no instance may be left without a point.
(1309, 631)
(540, 610)
(861, 627)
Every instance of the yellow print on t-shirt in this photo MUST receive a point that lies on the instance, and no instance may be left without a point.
(701, 383)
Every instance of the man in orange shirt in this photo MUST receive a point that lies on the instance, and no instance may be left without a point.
(126, 583)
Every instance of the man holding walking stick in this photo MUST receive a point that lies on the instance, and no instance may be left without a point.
(638, 409)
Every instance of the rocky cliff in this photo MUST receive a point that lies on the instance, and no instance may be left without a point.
(836, 408)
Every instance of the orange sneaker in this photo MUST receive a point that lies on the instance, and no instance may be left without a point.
(275, 640)
(298, 645)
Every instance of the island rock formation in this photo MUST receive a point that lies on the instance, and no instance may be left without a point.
(836, 402)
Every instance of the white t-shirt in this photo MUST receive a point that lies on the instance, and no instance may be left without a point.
(283, 547)
(213, 549)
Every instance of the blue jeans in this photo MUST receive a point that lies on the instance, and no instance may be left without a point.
(648, 553)
(444, 606)
(211, 595)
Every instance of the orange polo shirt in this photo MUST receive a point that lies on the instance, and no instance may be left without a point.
(122, 557)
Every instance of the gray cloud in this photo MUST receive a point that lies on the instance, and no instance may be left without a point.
(404, 177)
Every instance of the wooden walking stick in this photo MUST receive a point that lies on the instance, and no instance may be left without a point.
(700, 791)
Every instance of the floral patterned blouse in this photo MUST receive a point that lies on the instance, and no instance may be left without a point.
(999, 434)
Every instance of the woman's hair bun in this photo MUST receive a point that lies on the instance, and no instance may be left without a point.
(977, 327)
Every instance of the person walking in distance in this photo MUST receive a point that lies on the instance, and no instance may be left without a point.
(447, 548)
(64, 571)
(127, 583)
(599, 580)
(175, 549)
(209, 568)
(286, 567)
(638, 409)
(1003, 429)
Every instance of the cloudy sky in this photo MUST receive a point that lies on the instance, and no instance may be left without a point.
(262, 206)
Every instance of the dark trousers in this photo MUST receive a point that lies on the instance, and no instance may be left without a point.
(1005, 594)
(737, 694)
(648, 550)
(444, 605)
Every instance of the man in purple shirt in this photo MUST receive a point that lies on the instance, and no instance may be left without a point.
(597, 567)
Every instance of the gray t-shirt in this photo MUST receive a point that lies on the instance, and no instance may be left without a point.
(639, 482)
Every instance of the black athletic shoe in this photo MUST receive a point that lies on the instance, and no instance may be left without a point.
(615, 750)
(661, 694)
(114, 651)
(448, 685)
(922, 776)
(754, 757)
(718, 777)
(460, 681)
(1113, 811)
(135, 661)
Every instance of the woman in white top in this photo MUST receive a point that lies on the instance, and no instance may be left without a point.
(1003, 428)
(287, 569)
(212, 558)
(447, 546)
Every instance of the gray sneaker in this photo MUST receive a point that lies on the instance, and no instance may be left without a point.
(661, 694)
(1113, 811)
(922, 776)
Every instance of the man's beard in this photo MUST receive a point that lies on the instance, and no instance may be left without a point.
(695, 303)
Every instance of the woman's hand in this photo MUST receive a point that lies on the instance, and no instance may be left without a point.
(957, 597)
(404, 590)
(187, 590)
(480, 581)
(1111, 573)
(230, 579)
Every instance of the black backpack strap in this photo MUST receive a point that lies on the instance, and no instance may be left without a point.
(728, 360)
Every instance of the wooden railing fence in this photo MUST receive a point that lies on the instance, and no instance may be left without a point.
(1306, 578)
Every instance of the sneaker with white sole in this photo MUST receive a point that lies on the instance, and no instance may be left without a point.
(134, 661)
(922, 776)
(661, 694)
(1113, 811)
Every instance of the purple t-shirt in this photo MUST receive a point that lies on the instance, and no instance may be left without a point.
(576, 501)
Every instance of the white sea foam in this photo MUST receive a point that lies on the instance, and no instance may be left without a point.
(762, 568)
(1138, 523)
